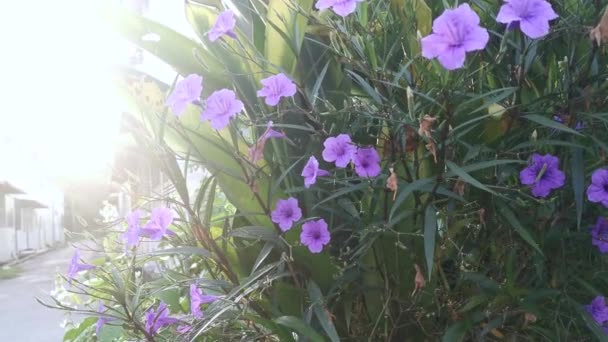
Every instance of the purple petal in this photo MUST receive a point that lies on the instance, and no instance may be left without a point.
(477, 39)
(453, 58)
(433, 45)
(344, 8)
(324, 4)
(534, 27)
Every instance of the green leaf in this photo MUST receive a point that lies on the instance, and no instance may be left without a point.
(268, 246)
(187, 250)
(81, 331)
(549, 123)
(285, 30)
(300, 327)
(430, 230)
(578, 181)
(366, 86)
(506, 212)
(320, 311)
(255, 233)
(467, 177)
(110, 333)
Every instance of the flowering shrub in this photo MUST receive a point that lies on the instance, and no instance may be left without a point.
(402, 199)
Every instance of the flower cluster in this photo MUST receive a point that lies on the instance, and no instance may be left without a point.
(341, 151)
(458, 31)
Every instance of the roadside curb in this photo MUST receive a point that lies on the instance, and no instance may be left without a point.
(29, 256)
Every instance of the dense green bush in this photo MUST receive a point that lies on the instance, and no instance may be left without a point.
(464, 214)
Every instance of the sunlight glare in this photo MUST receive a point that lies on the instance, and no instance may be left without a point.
(59, 104)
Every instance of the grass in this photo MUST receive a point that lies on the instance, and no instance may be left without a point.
(9, 272)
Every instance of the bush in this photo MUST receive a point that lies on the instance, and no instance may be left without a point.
(414, 173)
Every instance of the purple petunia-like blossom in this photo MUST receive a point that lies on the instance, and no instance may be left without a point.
(160, 220)
(339, 149)
(102, 320)
(224, 25)
(286, 212)
(76, 267)
(599, 234)
(186, 91)
(156, 320)
(367, 162)
(131, 236)
(542, 174)
(221, 106)
(315, 235)
(340, 7)
(531, 16)
(256, 151)
(455, 33)
(311, 171)
(597, 192)
(275, 87)
(197, 298)
(598, 309)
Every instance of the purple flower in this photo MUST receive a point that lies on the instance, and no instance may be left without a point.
(160, 220)
(532, 16)
(256, 151)
(156, 320)
(286, 212)
(599, 234)
(224, 25)
(197, 298)
(455, 33)
(221, 106)
(102, 320)
(311, 171)
(275, 87)
(598, 309)
(186, 91)
(340, 7)
(131, 236)
(315, 235)
(367, 162)
(76, 267)
(182, 329)
(597, 192)
(543, 174)
(339, 149)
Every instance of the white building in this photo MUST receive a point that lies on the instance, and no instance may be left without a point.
(31, 207)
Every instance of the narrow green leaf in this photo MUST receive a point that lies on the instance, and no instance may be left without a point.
(268, 246)
(255, 233)
(320, 311)
(430, 230)
(506, 212)
(189, 250)
(466, 177)
(315, 89)
(578, 181)
(300, 327)
(544, 121)
(366, 86)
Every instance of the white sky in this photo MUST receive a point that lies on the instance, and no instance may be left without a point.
(58, 107)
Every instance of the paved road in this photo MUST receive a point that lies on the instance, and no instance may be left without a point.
(22, 319)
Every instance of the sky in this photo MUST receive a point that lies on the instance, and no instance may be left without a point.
(58, 108)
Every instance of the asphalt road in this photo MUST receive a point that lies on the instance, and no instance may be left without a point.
(22, 319)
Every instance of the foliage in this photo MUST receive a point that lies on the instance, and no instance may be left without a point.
(460, 251)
